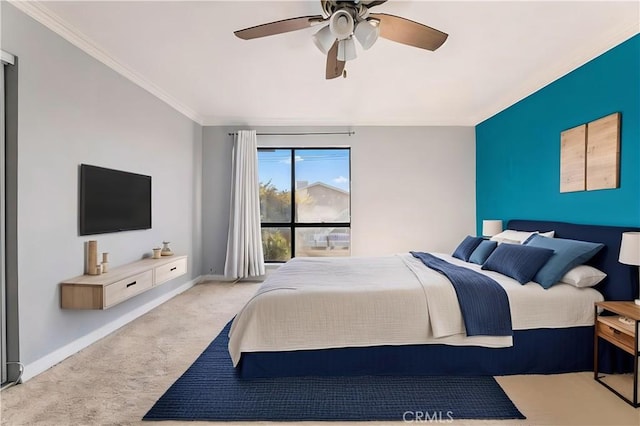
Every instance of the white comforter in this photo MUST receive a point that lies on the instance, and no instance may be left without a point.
(316, 303)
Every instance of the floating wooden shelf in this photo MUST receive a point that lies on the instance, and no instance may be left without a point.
(119, 284)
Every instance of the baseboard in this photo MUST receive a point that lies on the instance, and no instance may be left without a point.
(215, 278)
(224, 279)
(48, 361)
(269, 267)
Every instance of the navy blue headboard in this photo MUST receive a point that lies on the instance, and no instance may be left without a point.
(622, 280)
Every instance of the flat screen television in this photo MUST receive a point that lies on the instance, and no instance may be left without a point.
(113, 200)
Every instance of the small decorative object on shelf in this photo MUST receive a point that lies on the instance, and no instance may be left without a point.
(105, 262)
(166, 251)
(98, 269)
(157, 253)
(92, 257)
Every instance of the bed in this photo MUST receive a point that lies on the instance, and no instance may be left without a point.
(362, 316)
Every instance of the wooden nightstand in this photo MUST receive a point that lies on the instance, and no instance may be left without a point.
(621, 335)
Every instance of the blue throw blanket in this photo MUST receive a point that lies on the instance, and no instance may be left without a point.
(483, 302)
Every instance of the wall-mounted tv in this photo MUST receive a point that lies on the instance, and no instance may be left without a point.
(113, 200)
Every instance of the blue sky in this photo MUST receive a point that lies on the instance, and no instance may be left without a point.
(330, 166)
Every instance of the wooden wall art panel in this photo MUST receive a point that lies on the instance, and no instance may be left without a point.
(573, 152)
(603, 152)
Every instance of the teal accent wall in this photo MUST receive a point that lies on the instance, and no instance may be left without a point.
(518, 149)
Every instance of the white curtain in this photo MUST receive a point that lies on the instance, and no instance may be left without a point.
(244, 246)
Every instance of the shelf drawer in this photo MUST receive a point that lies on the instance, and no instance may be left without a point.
(170, 271)
(617, 336)
(129, 287)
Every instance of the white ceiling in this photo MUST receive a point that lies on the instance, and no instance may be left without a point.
(186, 54)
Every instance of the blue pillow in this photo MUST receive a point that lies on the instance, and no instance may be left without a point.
(567, 255)
(466, 247)
(518, 262)
(482, 252)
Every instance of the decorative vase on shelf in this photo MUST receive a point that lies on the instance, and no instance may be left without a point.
(166, 251)
(105, 262)
(92, 258)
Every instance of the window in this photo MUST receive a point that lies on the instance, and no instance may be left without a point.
(305, 202)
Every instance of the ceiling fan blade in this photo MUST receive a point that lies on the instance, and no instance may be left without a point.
(278, 27)
(373, 3)
(408, 32)
(334, 66)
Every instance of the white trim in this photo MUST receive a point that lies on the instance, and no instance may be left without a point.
(33, 369)
(7, 58)
(216, 278)
(40, 13)
(335, 122)
(223, 279)
(43, 15)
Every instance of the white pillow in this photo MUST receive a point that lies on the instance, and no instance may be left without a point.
(583, 276)
(518, 237)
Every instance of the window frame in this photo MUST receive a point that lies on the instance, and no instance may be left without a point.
(292, 225)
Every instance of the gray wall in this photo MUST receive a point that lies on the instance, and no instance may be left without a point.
(413, 188)
(72, 110)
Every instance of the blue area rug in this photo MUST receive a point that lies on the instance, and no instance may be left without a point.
(211, 390)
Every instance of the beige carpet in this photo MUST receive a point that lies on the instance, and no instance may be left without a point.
(117, 380)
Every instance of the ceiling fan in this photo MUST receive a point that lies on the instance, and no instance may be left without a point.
(348, 20)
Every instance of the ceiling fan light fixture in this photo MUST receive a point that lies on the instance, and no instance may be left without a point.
(341, 24)
(367, 33)
(347, 50)
(345, 20)
(324, 39)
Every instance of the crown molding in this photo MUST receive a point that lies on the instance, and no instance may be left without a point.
(346, 121)
(556, 71)
(39, 12)
(46, 17)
